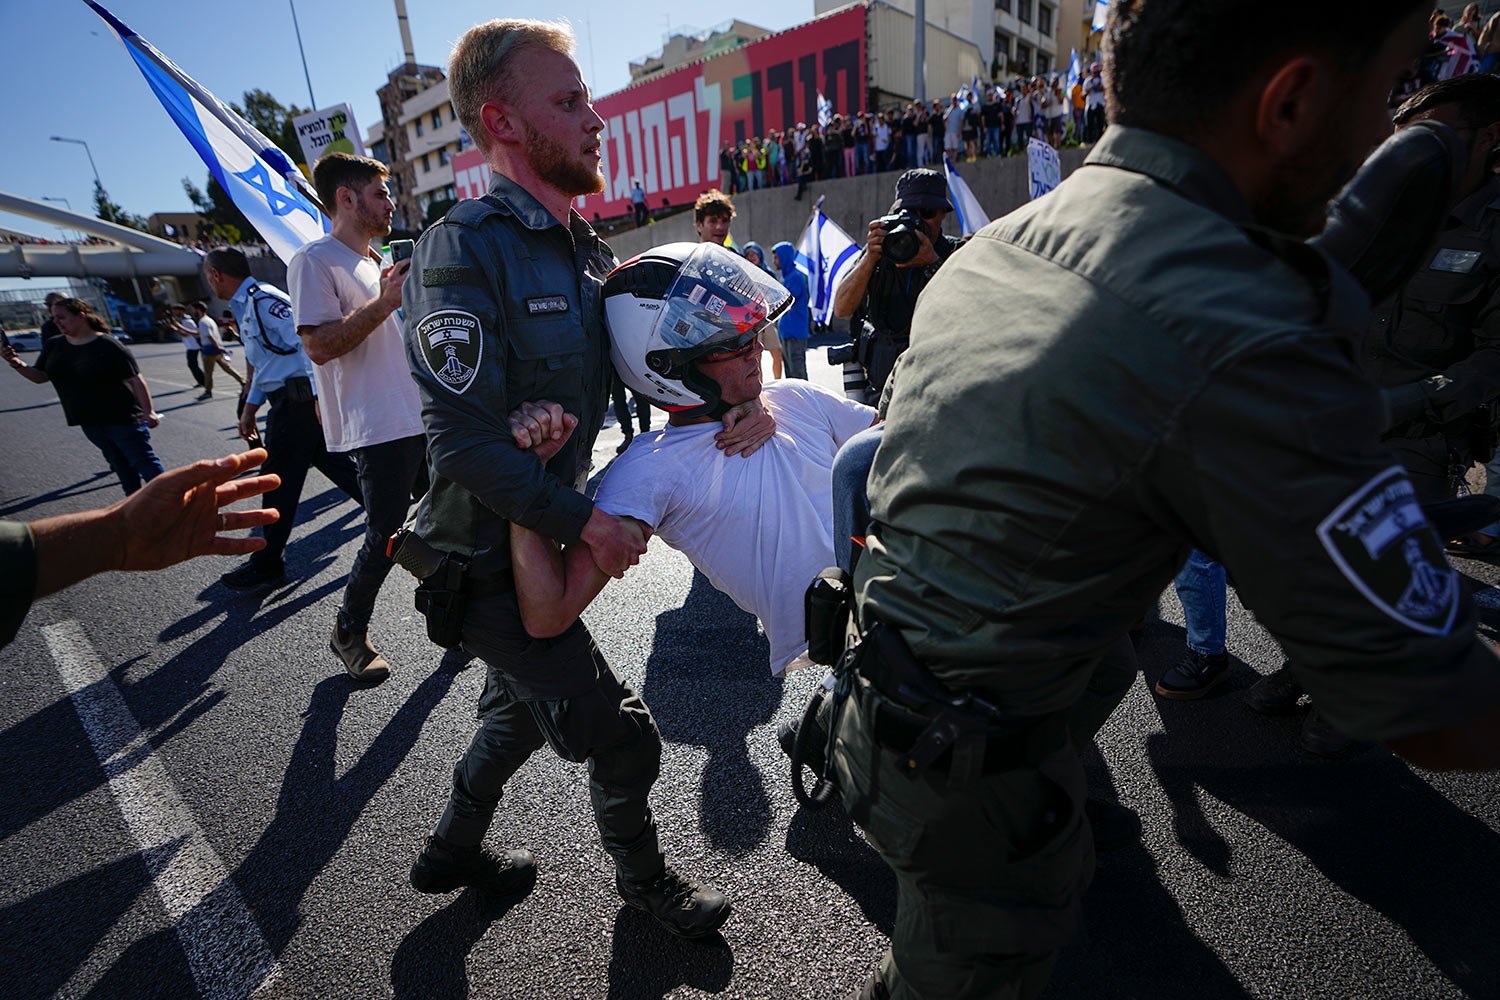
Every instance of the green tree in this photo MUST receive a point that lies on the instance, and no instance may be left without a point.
(110, 211)
(219, 216)
(437, 208)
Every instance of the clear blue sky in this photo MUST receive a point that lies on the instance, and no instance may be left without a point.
(65, 74)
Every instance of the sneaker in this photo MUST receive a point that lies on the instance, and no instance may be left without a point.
(254, 576)
(1276, 694)
(358, 656)
(204, 395)
(684, 907)
(1114, 825)
(441, 868)
(1194, 676)
(1322, 740)
(623, 445)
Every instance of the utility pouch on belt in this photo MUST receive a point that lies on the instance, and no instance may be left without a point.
(440, 596)
(827, 606)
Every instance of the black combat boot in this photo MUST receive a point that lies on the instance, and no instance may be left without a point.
(684, 907)
(442, 867)
(1276, 694)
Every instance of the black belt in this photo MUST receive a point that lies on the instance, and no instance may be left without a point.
(279, 395)
(1005, 747)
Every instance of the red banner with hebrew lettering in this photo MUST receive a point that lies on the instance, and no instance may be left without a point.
(668, 131)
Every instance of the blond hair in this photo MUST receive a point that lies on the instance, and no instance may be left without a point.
(481, 68)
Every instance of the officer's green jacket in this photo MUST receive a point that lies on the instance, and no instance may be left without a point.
(1440, 334)
(1118, 372)
(503, 305)
(17, 577)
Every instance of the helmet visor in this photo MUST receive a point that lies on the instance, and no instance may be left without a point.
(718, 301)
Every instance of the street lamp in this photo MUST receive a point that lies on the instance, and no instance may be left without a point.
(80, 142)
(76, 235)
(63, 200)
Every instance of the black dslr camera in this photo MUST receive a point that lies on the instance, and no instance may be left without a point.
(903, 239)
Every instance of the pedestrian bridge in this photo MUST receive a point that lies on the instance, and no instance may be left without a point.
(129, 253)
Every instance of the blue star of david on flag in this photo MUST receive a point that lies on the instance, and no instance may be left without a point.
(280, 204)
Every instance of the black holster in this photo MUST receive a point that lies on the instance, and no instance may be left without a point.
(441, 599)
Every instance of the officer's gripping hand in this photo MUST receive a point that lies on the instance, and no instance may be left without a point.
(542, 428)
(177, 515)
(746, 427)
(247, 425)
(616, 543)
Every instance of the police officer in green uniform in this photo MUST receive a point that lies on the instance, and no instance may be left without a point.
(1127, 368)
(879, 294)
(504, 306)
(1436, 345)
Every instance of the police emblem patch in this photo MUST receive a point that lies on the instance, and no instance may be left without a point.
(279, 310)
(1381, 542)
(452, 344)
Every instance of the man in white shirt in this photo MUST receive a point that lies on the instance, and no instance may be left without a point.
(345, 310)
(207, 332)
(759, 528)
(187, 330)
(1093, 103)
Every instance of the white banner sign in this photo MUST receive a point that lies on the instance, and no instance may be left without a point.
(1046, 168)
(328, 130)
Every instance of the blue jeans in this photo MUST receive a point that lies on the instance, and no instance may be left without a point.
(127, 449)
(910, 143)
(851, 497)
(1200, 588)
(862, 156)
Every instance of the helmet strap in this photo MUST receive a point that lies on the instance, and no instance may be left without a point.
(713, 405)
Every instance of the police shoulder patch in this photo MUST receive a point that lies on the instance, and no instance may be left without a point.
(279, 309)
(452, 344)
(1380, 540)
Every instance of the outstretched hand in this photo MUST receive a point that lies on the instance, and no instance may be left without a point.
(177, 515)
(542, 428)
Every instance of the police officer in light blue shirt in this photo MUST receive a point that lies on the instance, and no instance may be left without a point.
(282, 373)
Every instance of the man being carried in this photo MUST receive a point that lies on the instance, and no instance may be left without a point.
(685, 324)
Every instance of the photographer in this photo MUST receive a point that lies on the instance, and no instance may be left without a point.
(904, 251)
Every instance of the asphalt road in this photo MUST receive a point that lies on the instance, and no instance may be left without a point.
(196, 800)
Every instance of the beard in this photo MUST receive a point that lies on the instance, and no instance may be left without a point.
(374, 222)
(564, 169)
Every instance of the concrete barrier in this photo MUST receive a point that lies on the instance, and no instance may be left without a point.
(771, 215)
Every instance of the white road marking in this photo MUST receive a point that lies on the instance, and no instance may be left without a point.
(224, 947)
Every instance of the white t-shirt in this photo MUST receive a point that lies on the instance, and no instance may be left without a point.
(1093, 92)
(208, 334)
(368, 395)
(760, 528)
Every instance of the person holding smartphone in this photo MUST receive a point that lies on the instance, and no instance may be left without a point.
(101, 390)
(344, 306)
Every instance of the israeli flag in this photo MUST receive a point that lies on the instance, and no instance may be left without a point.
(971, 217)
(1101, 15)
(262, 180)
(825, 110)
(1075, 72)
(826, 253)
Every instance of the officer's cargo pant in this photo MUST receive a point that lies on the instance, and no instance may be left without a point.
(560, 692)
(989, 875)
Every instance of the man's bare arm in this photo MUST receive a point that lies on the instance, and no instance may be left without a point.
(554, 585)
(852, 289)
(337, 338)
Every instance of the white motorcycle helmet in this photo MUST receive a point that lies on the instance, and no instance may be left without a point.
(671, 305)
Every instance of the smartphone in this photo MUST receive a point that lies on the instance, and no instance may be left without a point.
(401, 250)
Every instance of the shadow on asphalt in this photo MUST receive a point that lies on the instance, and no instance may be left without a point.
(90, 485)
(46, 937)
(709, 684)
(1374, 828)
(432, 962)
(706, 964)
(828, 840)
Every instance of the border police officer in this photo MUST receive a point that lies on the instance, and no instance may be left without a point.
(504, 306)
(1131, 367)
(279, 371)
(1436, 345)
